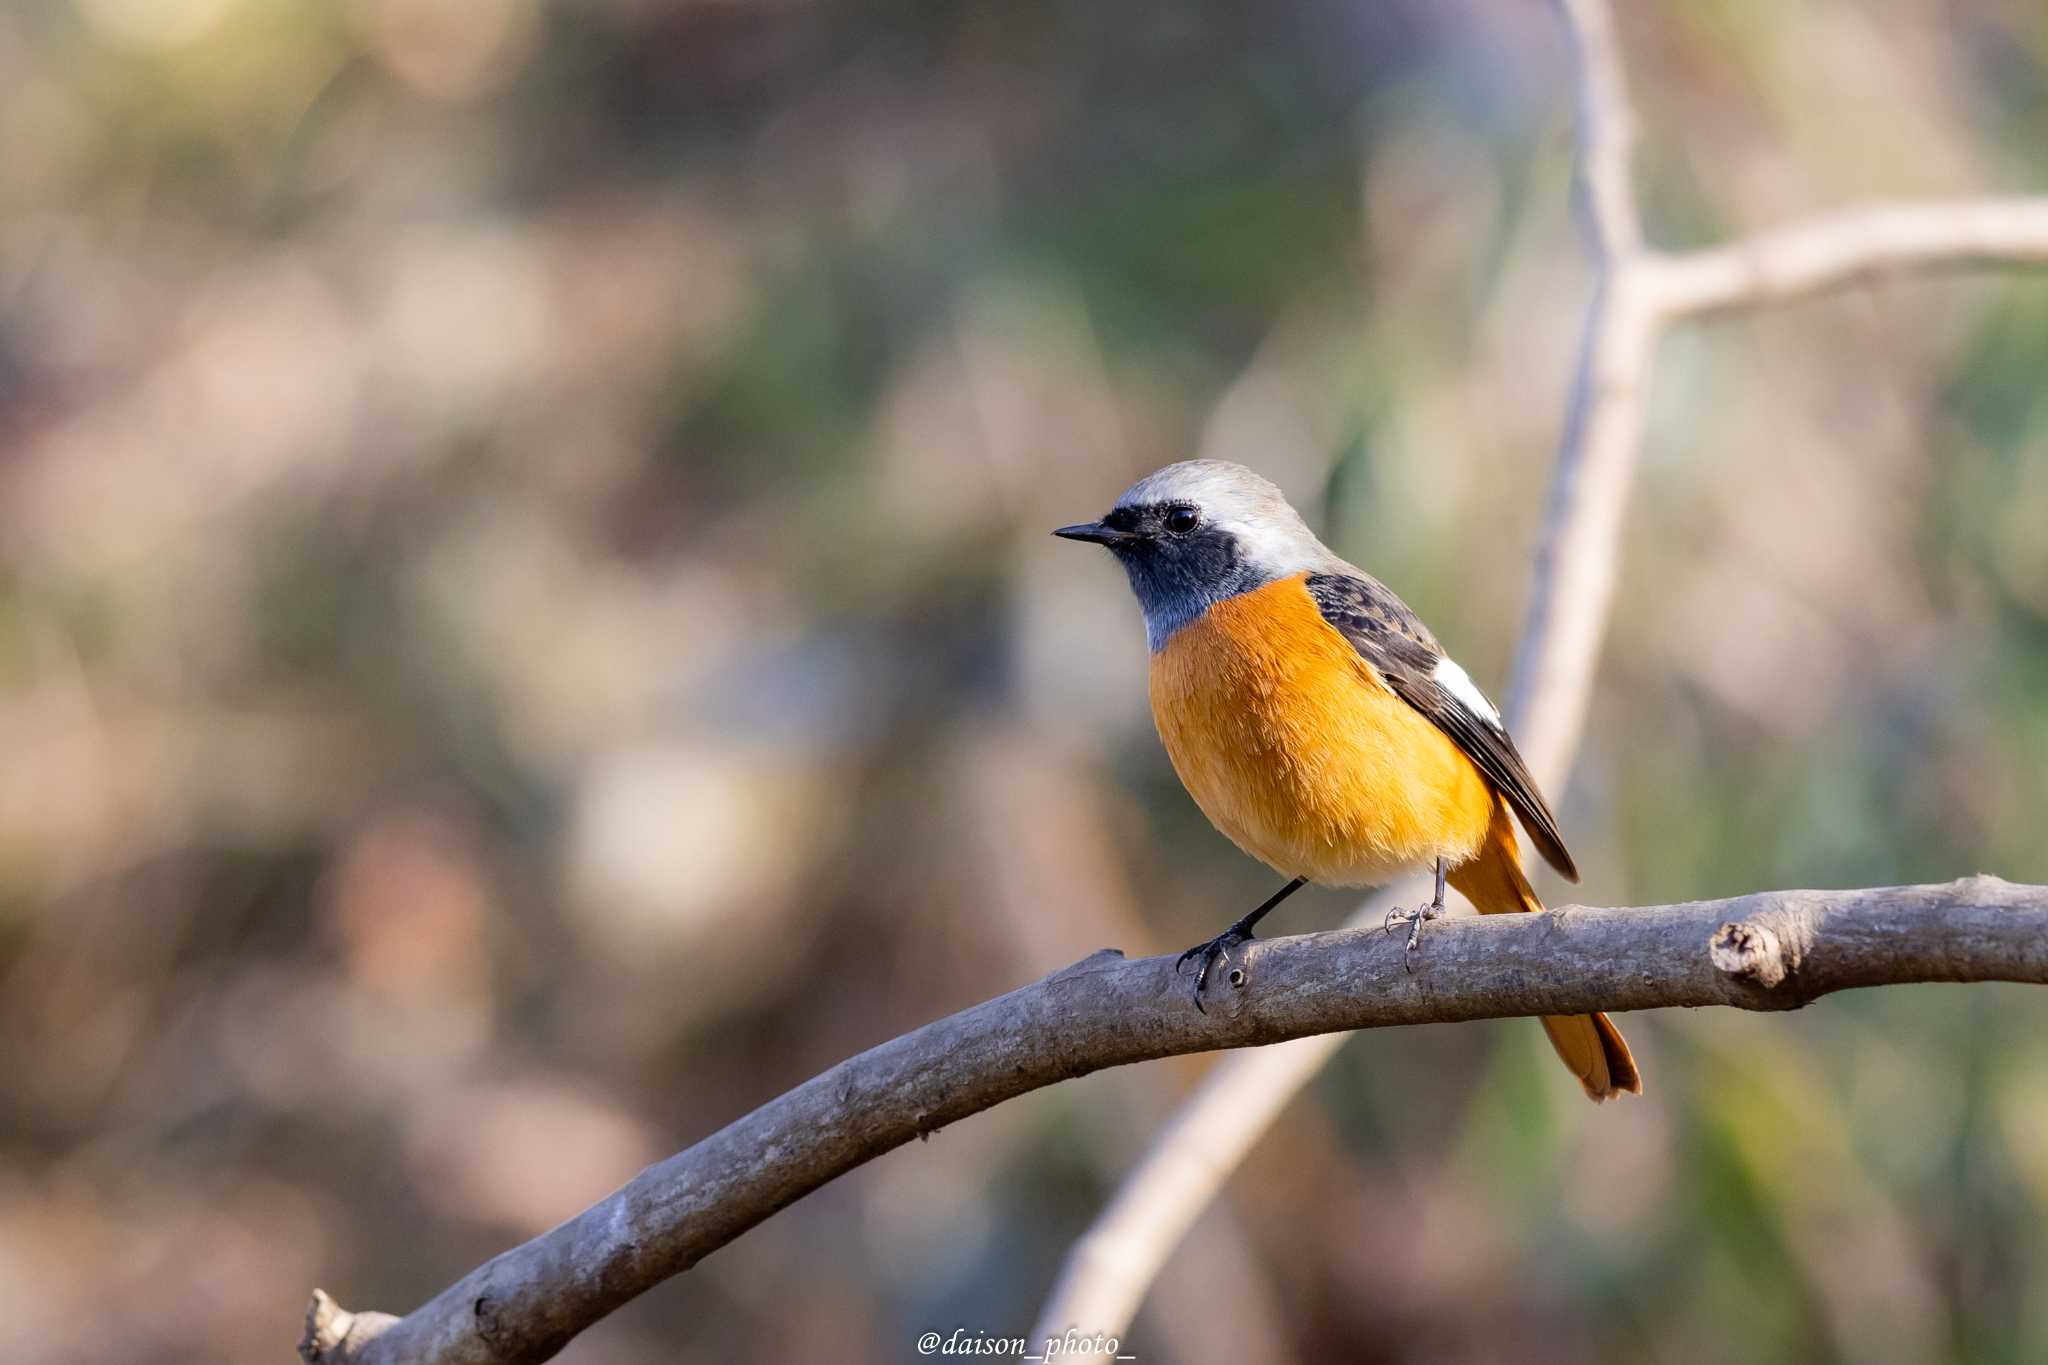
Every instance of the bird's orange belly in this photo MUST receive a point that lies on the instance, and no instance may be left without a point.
(1294, 748)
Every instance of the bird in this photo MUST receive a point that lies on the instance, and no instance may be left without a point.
(1320, 726)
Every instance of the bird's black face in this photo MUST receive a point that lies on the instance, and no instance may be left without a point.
(1127, 528)
(1179, 562)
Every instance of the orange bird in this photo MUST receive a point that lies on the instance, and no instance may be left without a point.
(1319, 725)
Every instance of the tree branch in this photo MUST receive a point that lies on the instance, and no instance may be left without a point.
(1837, 249)
(1607, 129)
(1774, 950)
(1578, 553)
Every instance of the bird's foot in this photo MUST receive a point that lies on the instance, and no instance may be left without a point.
(1415, 918)
(1207, 955)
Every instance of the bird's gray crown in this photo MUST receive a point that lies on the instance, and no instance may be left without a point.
(1245, 536)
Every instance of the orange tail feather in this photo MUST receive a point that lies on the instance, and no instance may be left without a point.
(1589, 1044)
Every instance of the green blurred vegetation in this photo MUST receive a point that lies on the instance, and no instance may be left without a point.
(526, 629)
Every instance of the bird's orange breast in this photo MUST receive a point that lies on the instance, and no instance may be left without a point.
(1295, 748)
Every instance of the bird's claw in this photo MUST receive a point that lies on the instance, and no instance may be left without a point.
(1208, 954)
(1415, 918)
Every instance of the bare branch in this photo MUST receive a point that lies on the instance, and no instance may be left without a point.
(1571, 590)
(1773, 950)
(1578, 556)
(1838, 249)
(1607, 129)
(1107, 1272)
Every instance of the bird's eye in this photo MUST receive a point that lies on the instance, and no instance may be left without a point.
(1181, 520)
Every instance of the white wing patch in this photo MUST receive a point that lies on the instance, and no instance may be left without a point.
(1459, 684)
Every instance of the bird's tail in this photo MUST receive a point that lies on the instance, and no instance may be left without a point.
(1590, 1044)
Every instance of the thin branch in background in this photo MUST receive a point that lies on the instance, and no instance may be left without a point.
(1641, 292)
(1834, 250)
(1770, 951)
(1578, 555)
(1607, 130)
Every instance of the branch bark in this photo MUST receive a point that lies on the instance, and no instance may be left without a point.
(1835, 250)
(1578, 554)
(1774, 950)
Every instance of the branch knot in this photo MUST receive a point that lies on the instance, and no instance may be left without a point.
(1751, 953)
(334, 1335)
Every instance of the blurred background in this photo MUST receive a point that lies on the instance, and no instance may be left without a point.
(527, 628)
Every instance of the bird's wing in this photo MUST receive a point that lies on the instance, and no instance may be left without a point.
(1394, 641)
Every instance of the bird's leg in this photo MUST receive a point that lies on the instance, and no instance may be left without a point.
(1209, 953)
(1419, 915)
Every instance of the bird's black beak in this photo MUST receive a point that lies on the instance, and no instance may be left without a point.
(1095, 533)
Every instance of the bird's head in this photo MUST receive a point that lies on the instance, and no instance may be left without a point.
(1195, 533)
